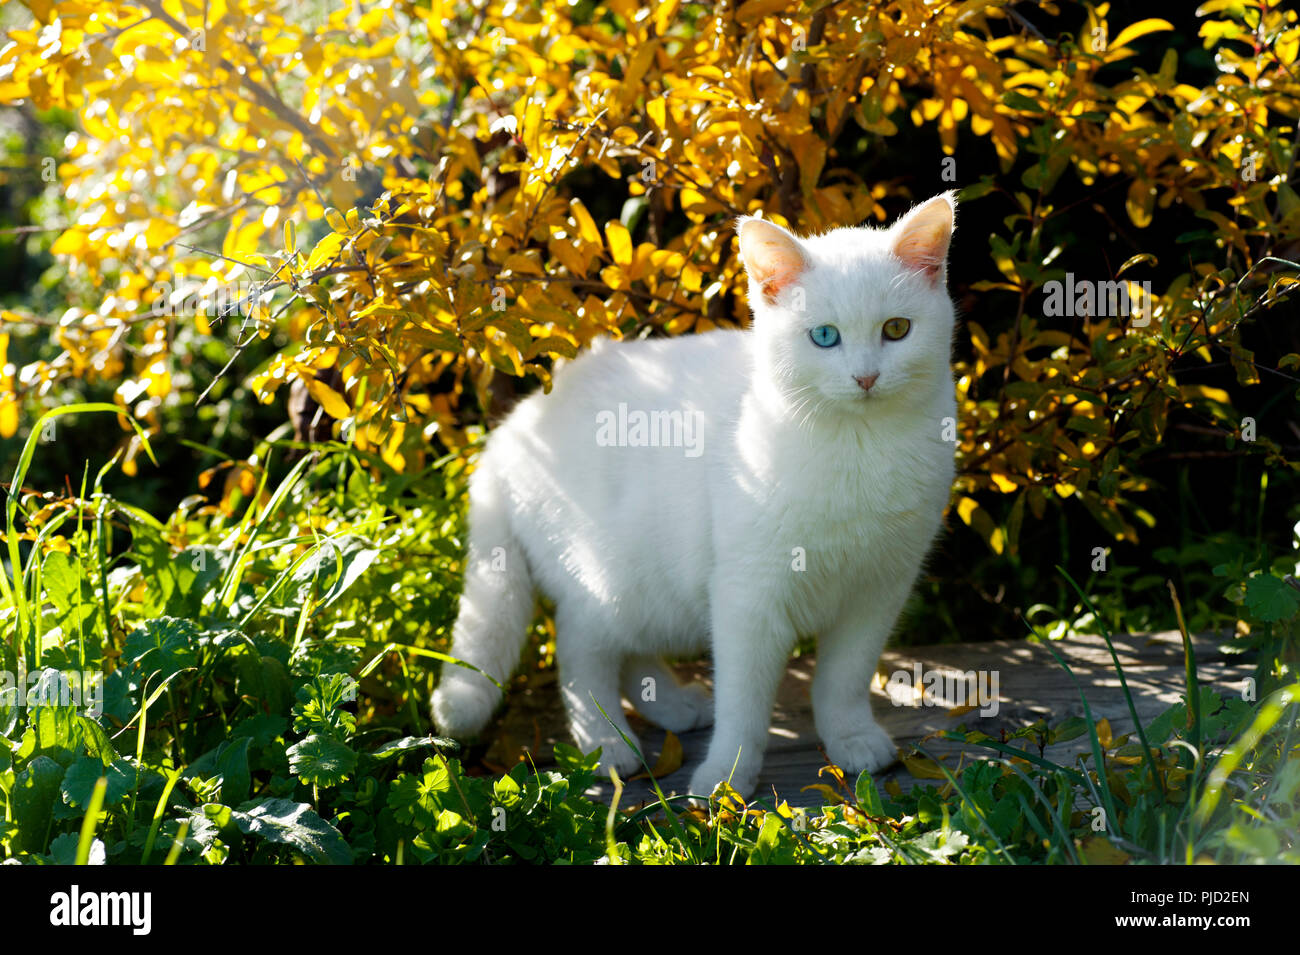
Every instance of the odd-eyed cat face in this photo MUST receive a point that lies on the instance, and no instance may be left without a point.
(856, 316)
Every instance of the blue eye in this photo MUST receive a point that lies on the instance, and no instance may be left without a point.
(825, 336)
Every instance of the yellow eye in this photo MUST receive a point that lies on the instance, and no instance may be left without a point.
(897, 328)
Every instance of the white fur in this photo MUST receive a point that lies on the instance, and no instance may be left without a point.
(650, 552)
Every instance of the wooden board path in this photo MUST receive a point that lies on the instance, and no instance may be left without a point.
(1030, 683)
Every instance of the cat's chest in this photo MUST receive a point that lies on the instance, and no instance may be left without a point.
(847, 509)
(852, 483)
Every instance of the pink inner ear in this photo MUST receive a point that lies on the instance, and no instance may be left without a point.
(772, 256)
(924, 236)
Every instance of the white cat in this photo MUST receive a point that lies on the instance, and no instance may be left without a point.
(736, 489)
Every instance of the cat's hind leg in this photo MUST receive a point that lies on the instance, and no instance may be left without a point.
(652, 688)
(589, 671)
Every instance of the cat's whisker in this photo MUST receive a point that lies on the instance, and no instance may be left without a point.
(805, 394)
(817, 409)
(807, 419)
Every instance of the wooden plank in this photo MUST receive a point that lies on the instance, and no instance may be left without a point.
(1030, 684)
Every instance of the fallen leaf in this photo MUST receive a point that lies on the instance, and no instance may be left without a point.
(670, 760)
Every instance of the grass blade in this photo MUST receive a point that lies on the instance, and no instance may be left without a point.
(1123, 682)
(88, 825)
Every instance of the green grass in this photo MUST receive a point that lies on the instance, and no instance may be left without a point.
(267, 660)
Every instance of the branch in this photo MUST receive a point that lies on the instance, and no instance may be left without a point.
(264, 98)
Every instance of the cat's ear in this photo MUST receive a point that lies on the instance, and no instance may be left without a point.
(773, 257)
(921, 237)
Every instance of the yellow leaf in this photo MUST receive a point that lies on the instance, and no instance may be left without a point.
(1136, 260)
(241, 240)
(828, 793)
(657, 110)
(613, 276)
(69, 243)
(810, 154)
(522, 262)
(1098, 851)
(923, 768)
(586, 225)
(965, 508)
(335, 405)
(531, 132)
(636, 69)
(1208, 393)
(620, 242)
(757, 9)
(1286, 47)
(1141, 28)
(326, 249)
(8, 416)
(670, 760)
(1141, 200)
(391, 452)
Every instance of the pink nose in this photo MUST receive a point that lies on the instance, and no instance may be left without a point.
(866, 381)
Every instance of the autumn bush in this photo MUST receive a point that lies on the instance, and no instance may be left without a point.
(270, 271)
(409, 212)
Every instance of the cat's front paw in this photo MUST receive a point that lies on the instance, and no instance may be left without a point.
(868, 747)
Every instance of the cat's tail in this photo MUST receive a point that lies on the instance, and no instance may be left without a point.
(496, 607)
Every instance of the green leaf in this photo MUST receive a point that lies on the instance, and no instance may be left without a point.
(165, 644)
(62, 583)
(264, 678)
(1269, 599)
(334, 566)
(416, 800)
(35, 792)
(507, 791)
(408, 743)
(63, 850)
(1018, 100)
(1068, 729)
(290, 823)
(63, 734)
(79, 781)
(232, 764)
(320, 705)
(177, 582)
(867, 796)
(977, 190)
(769, 841)
(322, 760)
(96, 740)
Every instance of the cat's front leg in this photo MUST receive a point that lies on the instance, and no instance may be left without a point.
(750, 652)
(846, 661)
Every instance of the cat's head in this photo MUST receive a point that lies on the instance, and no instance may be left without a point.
(856, 317)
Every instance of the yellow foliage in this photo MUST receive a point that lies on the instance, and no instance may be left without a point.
(408, 190)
